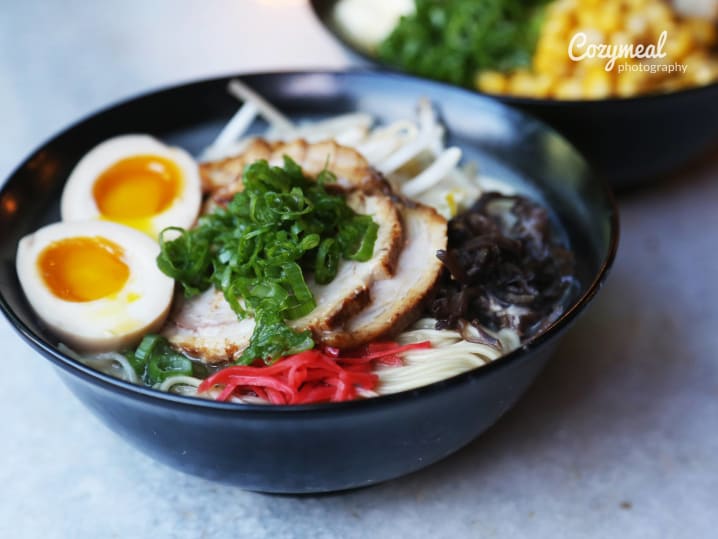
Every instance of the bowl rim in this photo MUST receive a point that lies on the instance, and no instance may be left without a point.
(148, 394)
(322, 15)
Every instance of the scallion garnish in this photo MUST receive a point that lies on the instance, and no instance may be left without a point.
(155, 360)
(257, 249)
(453, 39)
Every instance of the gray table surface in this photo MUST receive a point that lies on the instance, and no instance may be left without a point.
(617, 438)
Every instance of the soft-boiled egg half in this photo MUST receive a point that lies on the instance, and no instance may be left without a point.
(135, 180)
(95, 284)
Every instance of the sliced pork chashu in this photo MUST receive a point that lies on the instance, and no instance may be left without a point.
(207, 328)
(350, 167)
(224, 172)
(397, 302)
(223, 178)
(348, 293)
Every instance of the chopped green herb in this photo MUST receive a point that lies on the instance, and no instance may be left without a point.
(451, 40)
(155, 360)
(257, 249)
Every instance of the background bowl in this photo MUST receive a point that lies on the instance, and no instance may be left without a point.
(628, 141)
(317, 448)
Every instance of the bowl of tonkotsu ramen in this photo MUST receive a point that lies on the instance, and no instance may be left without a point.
(302, 282)
(633, 84)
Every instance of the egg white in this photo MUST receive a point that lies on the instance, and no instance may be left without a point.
(114, 322)
(78, 202)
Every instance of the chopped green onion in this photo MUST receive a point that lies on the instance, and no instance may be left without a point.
(257, 249)
(327, 263)
(155, 360)
(169, 363)
(451, 40)
(272, 338)
(136, 364)
(365, 247)
(146, 347)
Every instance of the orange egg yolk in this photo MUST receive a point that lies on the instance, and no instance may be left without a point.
(83, 268)
(137, 187)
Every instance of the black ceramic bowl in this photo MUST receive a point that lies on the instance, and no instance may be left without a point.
(627, 141)
(316, 448)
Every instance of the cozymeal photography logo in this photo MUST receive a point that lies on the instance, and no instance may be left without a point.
(582, 47)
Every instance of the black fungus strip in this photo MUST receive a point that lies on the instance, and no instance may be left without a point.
(504, 268)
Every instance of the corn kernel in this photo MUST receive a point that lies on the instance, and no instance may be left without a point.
(491, 82)
(609, 18)
(636, 26)
(589, 64)
(614, 22)
(555, 28)
(552, 58)
(658, 15)
(568, 89)
(597, 84)
(587, 18)
(563, 6)
(593, 35)
(526, 84)
(630, 83)
(699, 69)
(542, 84)
(679, 44)
(635, 4)
(702, 30)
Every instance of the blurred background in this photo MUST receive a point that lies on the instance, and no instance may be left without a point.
(63, 60)
(616, 437)
(521, 48)
(632, 83)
